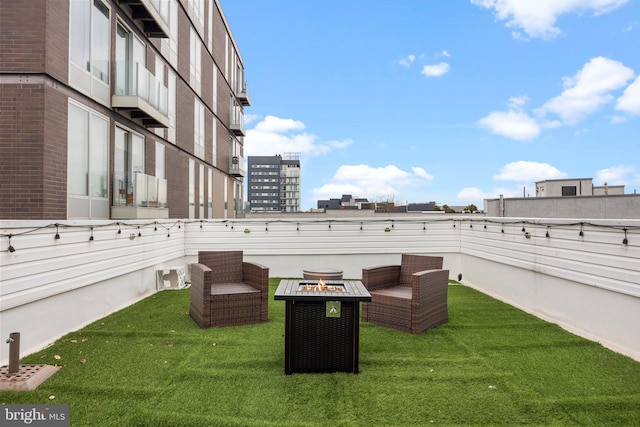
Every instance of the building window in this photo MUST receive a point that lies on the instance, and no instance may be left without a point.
(196, 10)
(88, 152)
(210, 28)
(171, 107)
(569, 190)
(131, 73)
(201, 192)
(169, 46)
(214, 138)
(210, 193)
(192, 189)
(89, 47)
(195, 61)
(198, 129)
(214, 104)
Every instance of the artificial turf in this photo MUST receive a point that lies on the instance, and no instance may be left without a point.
(492, 364)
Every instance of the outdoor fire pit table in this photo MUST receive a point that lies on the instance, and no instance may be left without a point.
(322, 324)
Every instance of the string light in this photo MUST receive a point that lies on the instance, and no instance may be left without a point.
(91, 236)
(119, 230)
(139, 233)
(581, 234)
(547, 235)
(625, 241)
(57, 236)
(11, 248)
(155, 226)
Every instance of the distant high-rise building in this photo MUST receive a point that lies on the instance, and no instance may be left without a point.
(273, 183)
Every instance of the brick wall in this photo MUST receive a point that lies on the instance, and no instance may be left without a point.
(21, 144)
(22, 30)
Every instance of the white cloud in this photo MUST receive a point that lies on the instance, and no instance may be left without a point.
(372, 182)
(629, 102)
(537, 18)
(588, 89)
(618, 175)
(407, 61)
(472, 194)
(278, 125)
(437, 70)
(511, 124)
(420, 172)
(584, 93)
(524, 171)
(275, 135)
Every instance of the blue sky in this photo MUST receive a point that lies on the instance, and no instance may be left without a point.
(441, 100)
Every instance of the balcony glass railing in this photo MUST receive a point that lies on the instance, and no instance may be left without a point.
(236, 120)
(138, 81)
(236, 165)
(141, 190)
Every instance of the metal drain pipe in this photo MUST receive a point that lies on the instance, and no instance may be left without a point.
(14, 352)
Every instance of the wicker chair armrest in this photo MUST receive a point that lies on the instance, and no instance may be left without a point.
(201, 278)
(428, 281)
(380, 277)
(256, 275)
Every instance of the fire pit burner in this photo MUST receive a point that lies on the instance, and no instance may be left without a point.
(320, 286)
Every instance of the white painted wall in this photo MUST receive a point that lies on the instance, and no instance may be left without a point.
(589, 285)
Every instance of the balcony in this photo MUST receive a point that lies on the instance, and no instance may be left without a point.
(236, 166)
(236, 121)
(152, 15)
(140, 95)
(143, 196)
(242, 93)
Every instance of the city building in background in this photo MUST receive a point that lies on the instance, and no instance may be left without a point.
(273, 183)
(575, 187)
(569, 198)
(120, 109)
(347, 201)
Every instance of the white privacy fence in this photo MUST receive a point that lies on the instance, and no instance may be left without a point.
(578, 274)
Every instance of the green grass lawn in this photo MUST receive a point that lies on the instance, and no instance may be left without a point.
(150, 365)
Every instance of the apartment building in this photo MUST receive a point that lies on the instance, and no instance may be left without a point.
(273, 183)
(120, 109)
(569, 198)
(575, 187)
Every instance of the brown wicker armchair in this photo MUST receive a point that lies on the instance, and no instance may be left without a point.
(225, 291)
(410, 297)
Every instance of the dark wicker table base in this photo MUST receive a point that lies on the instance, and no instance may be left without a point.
(317, 343)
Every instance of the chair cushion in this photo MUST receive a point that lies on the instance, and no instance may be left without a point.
(232, 288)
(395, 291)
